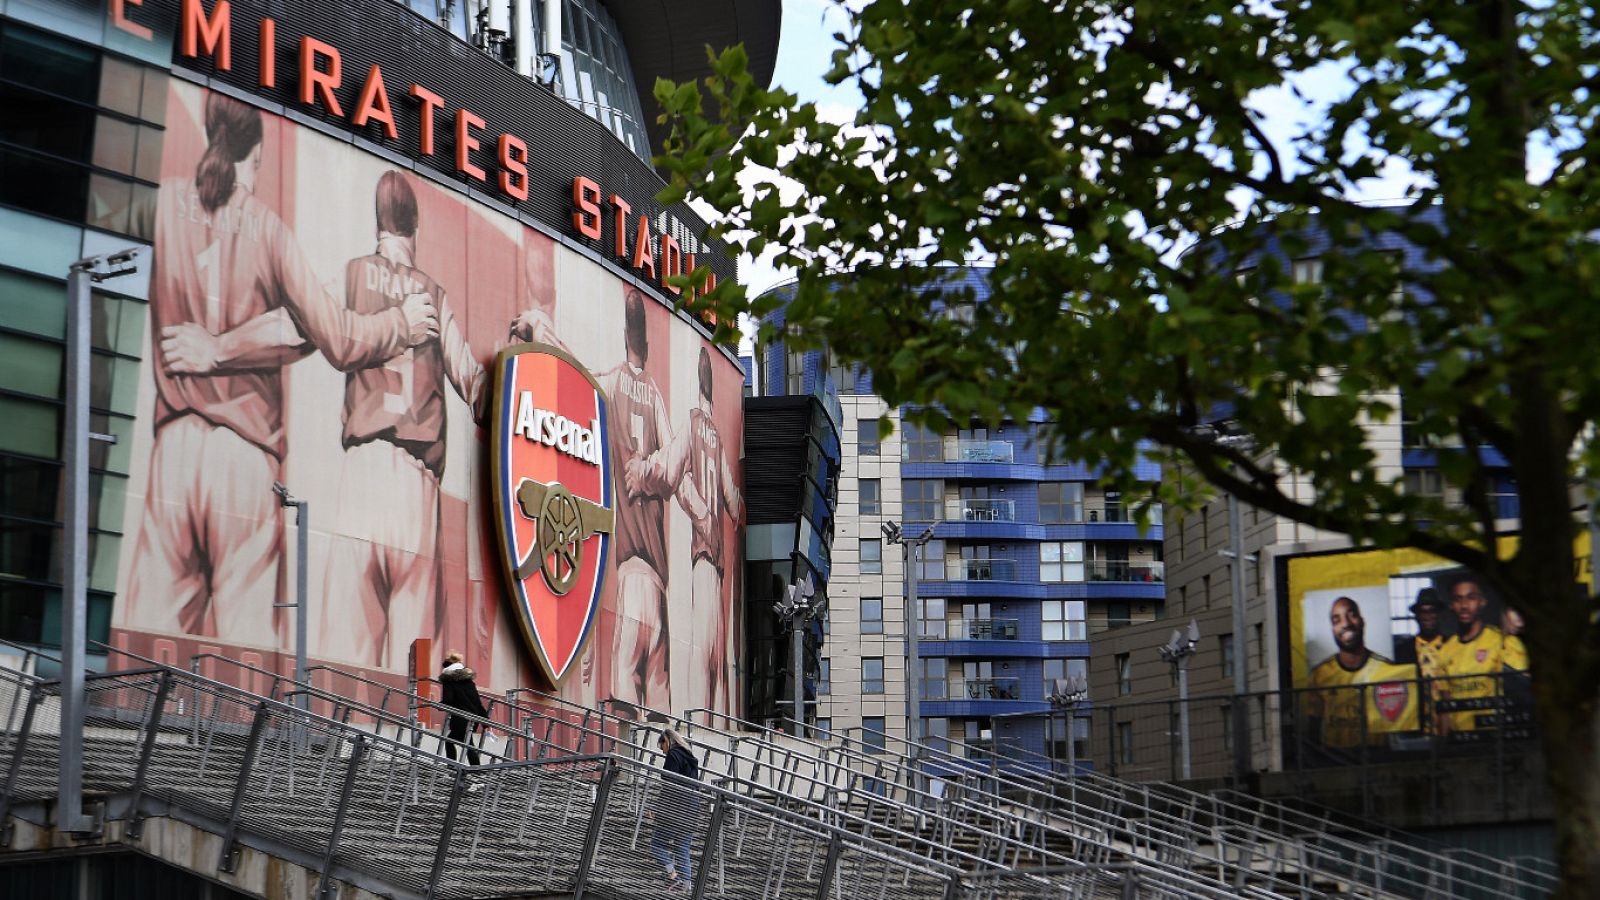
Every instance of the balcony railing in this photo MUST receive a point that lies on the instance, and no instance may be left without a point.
(982, 511)
(983, 630)
(980, 570)
(1116, 512)
(1119, 570)
(991, 689)
(983, 451)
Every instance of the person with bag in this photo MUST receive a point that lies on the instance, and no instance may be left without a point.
(460, 692)
(676, 813)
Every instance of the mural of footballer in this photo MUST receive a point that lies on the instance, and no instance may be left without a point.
(1473, 663)
(232, 301)
(1345, 710)
(637, 420)
(707, 490)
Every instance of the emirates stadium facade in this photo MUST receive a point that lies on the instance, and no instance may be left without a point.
(346, 213)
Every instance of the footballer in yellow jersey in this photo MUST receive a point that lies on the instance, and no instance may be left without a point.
(1361, 693)
(1471, 663)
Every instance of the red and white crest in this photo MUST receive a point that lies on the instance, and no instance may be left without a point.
(550, 460)
(1391, 698)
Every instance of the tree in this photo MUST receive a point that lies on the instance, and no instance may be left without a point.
(1110, 159)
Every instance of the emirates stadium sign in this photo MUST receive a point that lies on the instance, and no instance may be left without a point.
(554, 515)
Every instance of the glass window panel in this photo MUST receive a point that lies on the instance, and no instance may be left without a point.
(153, 108)
(1050, 552)
(872, 615)
(108, 500)
(108, 456)
(130, 330)
(121, 85)
(28, 487)
(103, 550)
(22, 612)
(110, 200)
(147, 164)
(56, 65)
(28, 551)
(45, 186)
(45, 124)
(33, 304)
(30, 366)
(867, 437)
(31, 427)
(1072, 551)
(1072, 572)
(1050, 609)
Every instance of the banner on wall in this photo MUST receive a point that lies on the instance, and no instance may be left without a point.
(321, 318)
(1399, 651)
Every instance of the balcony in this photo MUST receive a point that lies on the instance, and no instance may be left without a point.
(1120, 570)
(983, 630)
(982, 511)
(983, 451)
(990, 689)
(980, 570)
(1116, 512)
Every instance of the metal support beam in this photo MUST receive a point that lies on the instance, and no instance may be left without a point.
(830, 867)
(75, 549)
(458, 786)
(708, 853)
(302, 522)
(1241, 645)
(591, 838)
(18, 750)
(325, 885)
(152, 726)
(230, 850)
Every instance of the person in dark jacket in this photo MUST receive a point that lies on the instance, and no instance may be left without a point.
(676, 813)
(460, 692)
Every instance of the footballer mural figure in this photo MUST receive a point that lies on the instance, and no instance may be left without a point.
(232, 300)
(385, 576)
(707, 491)
(637, 420)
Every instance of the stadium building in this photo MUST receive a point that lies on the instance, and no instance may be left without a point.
(343, 213)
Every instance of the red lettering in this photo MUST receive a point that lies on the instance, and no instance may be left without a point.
(513, 155)
(430, 102)
(212, 35)
(586, 207)
(642, 258)
(119, 18)
(621, 229)
(314, 82)
(373, 106)
(269, 53)
(466, 120)
(671, 262)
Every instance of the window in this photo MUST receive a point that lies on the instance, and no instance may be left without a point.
(931, 566)
(1060, 501)
(841, 373)
(1059, 672)
(1124, 674)
(1225, 650)
(922, 445)
(1061, 561)
(1119, 614)
(933, 611)
(1063, 620)
(934, 672)
(1125, 743)
(867, 443)
(923, 500)
(871, 556)
(824, 676)
(824, 728)
(871, 503)
(1307, 271)
(1425, 483)
(873, 736)
(872, 675)
(872, 615)
(1261, 645)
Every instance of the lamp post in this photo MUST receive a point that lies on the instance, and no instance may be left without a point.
(796, 609)
(81, 277)
(1177, 651)
(913, 618)
(302, 521)
(1069, 693)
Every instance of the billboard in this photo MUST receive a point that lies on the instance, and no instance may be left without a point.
(1398, 651)
(327, 319)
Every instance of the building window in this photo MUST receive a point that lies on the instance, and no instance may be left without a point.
(1125, 743)
(1119, 614)
(841, 373)
(1261, 645)
(1061, 561)
(1124, 674)
(824, 728)
(872, 675)
(1058, 672)
(1425, 483)
(922, 445)
(871, 503)
(873, 736)
(932, 618)
(931, 565)
(922, 500)
(934, 672)
(871, 556)
(867, 443)
(872, 615)
(824, 676)
(795, 372)
(1225, 649)
(1060, 501)
(1307, 271)
(1063, 620)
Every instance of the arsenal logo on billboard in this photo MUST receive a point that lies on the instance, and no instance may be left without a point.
(550, 461)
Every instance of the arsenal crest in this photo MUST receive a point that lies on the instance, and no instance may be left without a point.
(1391, 698)
(550, 462)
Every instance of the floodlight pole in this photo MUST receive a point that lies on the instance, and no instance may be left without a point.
(912, 548)
(1241, 684)
(1177, 651)
(302, 521)
(81, 277)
